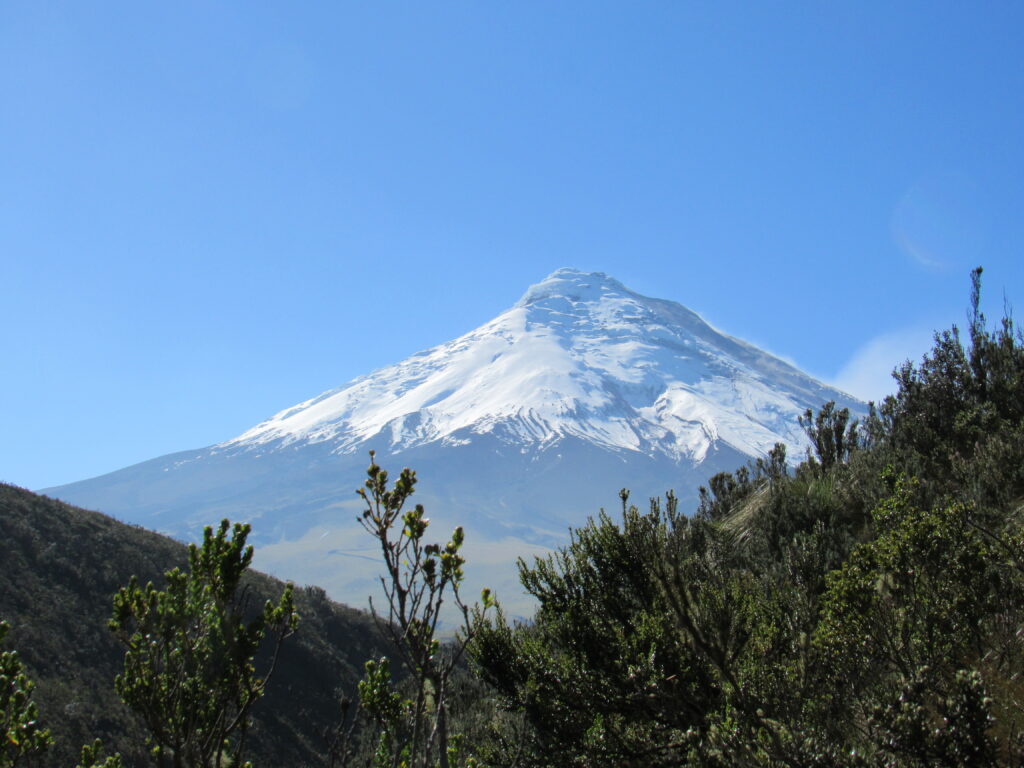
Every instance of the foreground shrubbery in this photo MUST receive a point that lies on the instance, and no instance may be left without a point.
(863, 609)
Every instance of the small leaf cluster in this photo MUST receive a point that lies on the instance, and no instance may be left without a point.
(92, 757)
(190, 647)
(419, 577)
(23, 737)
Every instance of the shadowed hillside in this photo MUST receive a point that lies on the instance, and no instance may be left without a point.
(59, 568)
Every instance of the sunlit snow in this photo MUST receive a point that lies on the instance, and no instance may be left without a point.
(579, 355)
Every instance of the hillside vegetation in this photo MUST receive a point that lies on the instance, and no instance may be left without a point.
(59, 569)
(866, 609)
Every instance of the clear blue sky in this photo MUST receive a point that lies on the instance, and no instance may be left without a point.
(212, 210)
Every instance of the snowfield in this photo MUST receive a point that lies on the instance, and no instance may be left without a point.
(580, 355)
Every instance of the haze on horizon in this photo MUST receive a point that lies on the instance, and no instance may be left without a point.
(209, 211)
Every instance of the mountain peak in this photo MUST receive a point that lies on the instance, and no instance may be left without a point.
(574, 285)
(580, 356)
(523, 425)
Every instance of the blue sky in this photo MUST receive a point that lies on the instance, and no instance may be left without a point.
(212, 210)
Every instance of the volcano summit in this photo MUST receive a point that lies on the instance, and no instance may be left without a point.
(517, 430)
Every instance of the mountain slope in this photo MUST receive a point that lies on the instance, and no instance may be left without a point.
(59, 569)
(581, 356)
(520, 429)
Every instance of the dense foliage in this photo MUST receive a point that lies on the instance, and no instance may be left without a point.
(863, 608)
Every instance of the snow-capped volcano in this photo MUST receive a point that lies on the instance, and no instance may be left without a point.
(580, 355)
(518, 430)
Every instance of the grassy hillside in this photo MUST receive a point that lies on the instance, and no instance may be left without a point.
(60, 566)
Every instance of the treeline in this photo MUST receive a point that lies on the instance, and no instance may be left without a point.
(865, 608)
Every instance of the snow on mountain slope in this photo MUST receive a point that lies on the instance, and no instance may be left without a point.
(579, 356)
(518, 430)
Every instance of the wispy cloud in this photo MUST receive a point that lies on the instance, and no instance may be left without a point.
(868, 373)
